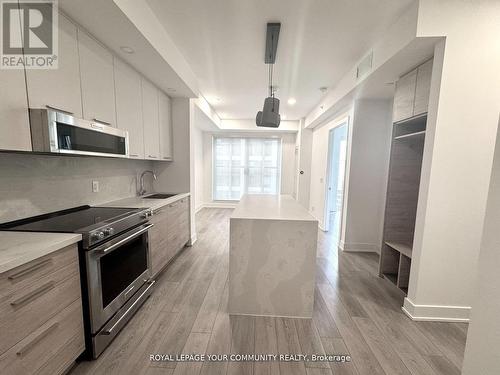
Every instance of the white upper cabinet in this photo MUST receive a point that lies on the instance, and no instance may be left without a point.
(424, 74)
(129, 107)
(404, 96)
(150, 116)
(14, 125)
(59, 88)
(97, 80)
(165, 111)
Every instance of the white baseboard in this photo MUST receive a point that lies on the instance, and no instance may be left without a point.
(359, 247)
(436, 313)
(192, 240)
(217, 205)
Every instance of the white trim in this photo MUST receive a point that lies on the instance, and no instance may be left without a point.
(359, 247)
(193, 240)
(218, 205)
(436, 313)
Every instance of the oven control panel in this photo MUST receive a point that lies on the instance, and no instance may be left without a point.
(102, 234)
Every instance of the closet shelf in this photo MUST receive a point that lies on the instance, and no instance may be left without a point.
(404, 249)
(416, 135)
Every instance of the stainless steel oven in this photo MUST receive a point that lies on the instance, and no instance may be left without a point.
(118, 278)
(58, 132)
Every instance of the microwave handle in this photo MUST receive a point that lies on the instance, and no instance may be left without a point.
(106, 249)
(101, 121)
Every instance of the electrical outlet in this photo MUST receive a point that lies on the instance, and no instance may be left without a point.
(95, 186)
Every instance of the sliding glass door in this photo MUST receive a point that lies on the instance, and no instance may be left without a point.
(246, 165)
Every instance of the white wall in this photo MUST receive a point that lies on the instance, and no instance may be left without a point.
(367, 175)
(319, 164)
(199, 194)
(462, 125)
(303, 181)
(37, 184)
(249, 126)
(177, 176)
(483, 338)
(368, 148)
(397, 37)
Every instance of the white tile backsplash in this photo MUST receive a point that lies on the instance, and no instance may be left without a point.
(36, 184)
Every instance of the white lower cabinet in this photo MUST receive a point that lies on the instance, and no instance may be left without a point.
(129, 107)
(150, 116)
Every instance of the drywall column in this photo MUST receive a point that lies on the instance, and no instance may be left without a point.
(367, 175)
(178, 175)
(304, 143)
(461, 131)
(483, 339)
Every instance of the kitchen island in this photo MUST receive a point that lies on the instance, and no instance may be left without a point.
(272, 257)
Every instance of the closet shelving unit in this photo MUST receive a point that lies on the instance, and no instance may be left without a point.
(408, 138)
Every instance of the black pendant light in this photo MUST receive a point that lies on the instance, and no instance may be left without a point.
(269, 117)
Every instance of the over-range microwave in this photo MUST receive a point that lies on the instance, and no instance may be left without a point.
(58, 132)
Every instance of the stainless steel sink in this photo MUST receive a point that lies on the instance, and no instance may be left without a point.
(159, 196)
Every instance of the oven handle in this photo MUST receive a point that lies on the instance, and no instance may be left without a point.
(110, 330)
(104, 249)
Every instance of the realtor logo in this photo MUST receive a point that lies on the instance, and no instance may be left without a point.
(29, 34)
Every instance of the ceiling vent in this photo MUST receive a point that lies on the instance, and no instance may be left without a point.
(365, 66)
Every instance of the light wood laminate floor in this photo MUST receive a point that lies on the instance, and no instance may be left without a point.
(355, 313)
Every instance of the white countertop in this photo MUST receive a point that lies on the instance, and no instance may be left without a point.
(140, 202)
(270, 207)
(18, 248)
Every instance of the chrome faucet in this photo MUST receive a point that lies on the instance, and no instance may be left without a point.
(143, 191)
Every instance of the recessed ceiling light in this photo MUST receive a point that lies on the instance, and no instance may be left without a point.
(127, 49)
(292, 101)
(323, 89)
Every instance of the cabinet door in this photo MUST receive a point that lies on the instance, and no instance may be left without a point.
(178, 225)
(423, 86)
(165, 126)
(98, 88)
(158, 248)
(150, 117)
(14, 125)
(129, 107)
(59, 88)
(404, 96)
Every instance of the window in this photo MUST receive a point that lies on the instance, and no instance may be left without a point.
(246, 165)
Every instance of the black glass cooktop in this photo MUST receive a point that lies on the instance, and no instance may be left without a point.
(73, 220)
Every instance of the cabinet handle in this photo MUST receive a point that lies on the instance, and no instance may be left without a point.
(102, 122)
(30, 269)
(134, 155)
(31, 295)
(59, 109)
(42, 334)
(153, 156)
(167, 158)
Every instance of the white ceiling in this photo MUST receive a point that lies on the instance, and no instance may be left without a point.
(223, 42)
